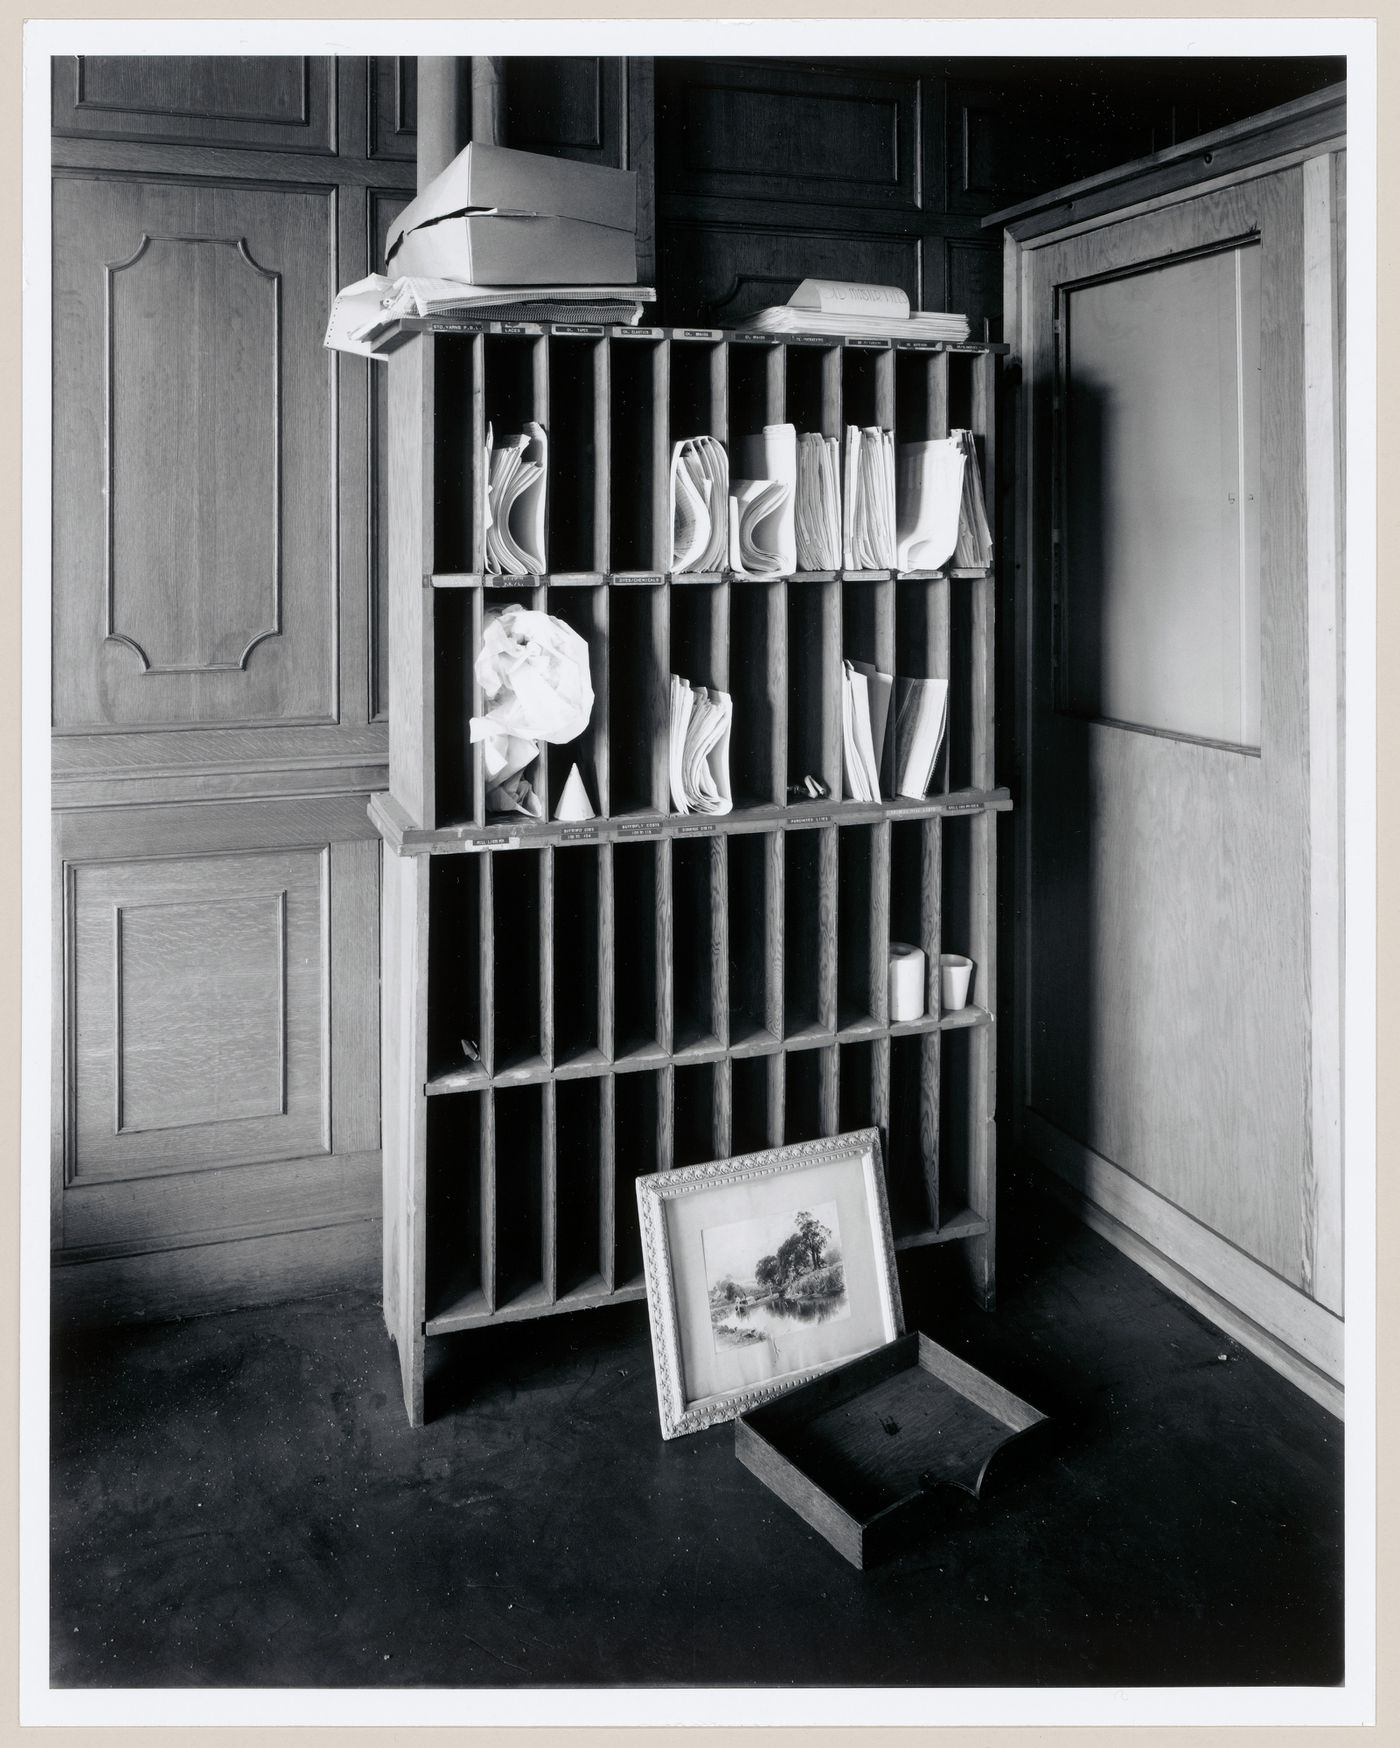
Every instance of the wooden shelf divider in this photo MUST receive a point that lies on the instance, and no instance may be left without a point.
(567, 1006)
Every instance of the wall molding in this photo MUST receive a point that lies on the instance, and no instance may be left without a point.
(1200, 1260)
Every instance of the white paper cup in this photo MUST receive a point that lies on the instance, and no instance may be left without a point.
(955, 973)
(908, 970)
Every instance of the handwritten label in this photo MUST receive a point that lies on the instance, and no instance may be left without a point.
(696, 333)
(919, 345)
(458, 327)
(869, 345)
(695, 831)
(638, 578)
(576, 328)
(813, 339)
(578, 834)
(636, 333)
(962, 807)
(646, 828)
(756, 339)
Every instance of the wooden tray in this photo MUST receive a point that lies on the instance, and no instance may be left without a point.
(857, 1451)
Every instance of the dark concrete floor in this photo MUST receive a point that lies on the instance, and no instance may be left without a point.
(238, 1501)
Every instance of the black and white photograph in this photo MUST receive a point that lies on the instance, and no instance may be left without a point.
(699, 841)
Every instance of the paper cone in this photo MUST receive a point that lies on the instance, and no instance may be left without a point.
(574, 802)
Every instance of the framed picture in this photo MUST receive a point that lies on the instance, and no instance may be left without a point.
(764, 1270)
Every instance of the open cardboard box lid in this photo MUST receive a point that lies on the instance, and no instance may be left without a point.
(857, 1451)
(484, 178)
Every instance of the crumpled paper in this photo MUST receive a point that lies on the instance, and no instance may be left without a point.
(533, 674)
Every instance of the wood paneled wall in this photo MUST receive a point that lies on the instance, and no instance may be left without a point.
(219, 683)
(769, 172)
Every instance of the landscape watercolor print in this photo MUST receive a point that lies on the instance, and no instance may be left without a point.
(770, 1276)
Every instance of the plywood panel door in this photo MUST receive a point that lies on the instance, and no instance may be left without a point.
(1167, 883)
(194, 450)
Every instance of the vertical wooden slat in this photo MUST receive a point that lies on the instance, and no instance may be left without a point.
(478, 455)
(938, 395)
(830, 1090)
(539, 771)
(719, 392)
(880, 922)
(487, 961)
(411, 654)
(719, 938)
(982, 678)
(880, 1096)
(602, 459)
(404, 1120)
(660, 701)
(718, 596)
(828, 876)
(487, 1198)
(549, 1195)
(930, 935)
(777, 1097)
(775, 384)
(546, 927)
(661, 457)
(607, 951)
(830, 681)
(600, 675)
(607, 1181)
(724, 1108)
(884, 390)
(778, 660)
(477, 798)
(831, 392)
(665, 1119)
(665, 948)
(773, 931)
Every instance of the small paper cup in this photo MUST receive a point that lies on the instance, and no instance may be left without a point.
(955, 974)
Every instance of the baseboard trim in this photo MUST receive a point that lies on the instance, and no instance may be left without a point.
(200, 1279)
(1290, 1332)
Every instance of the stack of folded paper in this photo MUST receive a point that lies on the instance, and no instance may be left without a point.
(515, 476)
(869, 515)
(818, 502)
(699, 751)
(865, 710)
(974, 536)
(762, 511)
(699, 504)
(928, 495)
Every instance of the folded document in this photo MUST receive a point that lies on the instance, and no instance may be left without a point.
(762, 505)
(515, 475)
(868, 527)
(699, 505)
(699, 751)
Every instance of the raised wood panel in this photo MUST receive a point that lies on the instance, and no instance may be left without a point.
(718, 274)
(194, 448)
(568, 106)
(199, 1015)
(200, 590)
(393, 107)
(285, 101)
(746, 130)
(974, 283)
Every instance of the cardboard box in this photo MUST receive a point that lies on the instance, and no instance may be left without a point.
(859, 1452)
(515, 249)
(566, 223)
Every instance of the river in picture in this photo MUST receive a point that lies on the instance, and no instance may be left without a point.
(770, 1274)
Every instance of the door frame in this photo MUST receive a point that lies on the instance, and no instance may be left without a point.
(1294, 1332)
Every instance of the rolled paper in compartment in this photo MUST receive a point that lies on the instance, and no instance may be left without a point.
(908, 971)
(955, 975)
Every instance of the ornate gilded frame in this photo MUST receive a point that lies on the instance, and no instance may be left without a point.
(862, 1148)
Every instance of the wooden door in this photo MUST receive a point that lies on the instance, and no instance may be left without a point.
(1171, 854)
